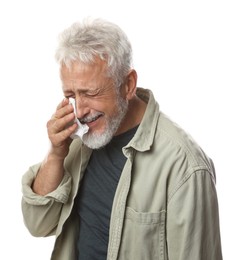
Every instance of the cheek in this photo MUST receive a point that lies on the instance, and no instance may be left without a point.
(108, 108)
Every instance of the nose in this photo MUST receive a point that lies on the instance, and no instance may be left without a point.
(82, 107)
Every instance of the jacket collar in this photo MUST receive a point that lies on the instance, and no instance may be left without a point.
(143, 139)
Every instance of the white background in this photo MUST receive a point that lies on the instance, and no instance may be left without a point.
(187, 52)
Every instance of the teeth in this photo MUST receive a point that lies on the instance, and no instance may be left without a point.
(93, 119)
(88, 120)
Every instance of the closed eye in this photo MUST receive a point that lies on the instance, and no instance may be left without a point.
(92, 93)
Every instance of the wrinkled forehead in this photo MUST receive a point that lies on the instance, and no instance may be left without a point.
(98, 68)
(88, 75)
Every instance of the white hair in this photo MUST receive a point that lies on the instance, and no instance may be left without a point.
(96, 38)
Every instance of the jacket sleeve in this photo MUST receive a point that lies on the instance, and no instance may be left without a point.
(41, 213)
(193, 220)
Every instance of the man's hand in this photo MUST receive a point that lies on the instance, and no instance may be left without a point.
(60, 127)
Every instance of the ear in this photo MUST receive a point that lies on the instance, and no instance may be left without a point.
(130, 85)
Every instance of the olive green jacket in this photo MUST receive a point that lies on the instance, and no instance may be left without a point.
(165, 205)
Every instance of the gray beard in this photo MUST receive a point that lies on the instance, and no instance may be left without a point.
(96, 141)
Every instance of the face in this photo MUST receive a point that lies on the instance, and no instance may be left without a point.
(98, 103)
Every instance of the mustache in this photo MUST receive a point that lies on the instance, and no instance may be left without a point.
(90, 118)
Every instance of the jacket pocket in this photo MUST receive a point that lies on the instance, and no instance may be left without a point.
(143, 236)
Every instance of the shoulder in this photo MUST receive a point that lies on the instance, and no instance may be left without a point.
(178, 143)
(179, 156)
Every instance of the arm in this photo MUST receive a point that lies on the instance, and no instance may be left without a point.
(46, 186)
(41, 213)
(193, 220)
(51, 171)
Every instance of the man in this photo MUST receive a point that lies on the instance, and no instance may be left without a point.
(136, 186)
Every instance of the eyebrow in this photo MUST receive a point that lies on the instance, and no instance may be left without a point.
(83, 91)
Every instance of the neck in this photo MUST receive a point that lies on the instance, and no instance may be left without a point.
(133, 116)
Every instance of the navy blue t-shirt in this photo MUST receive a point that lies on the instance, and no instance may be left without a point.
(96, 194)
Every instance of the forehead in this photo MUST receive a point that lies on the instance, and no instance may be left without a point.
(79, 71)
(81, 77)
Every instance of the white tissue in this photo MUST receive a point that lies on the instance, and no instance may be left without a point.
(82, 128)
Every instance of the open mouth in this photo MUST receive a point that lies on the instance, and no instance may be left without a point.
(90, 119)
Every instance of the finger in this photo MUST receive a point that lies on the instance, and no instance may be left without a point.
(63, 111)
(56, 125)
(63, 103)
(60, 137)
